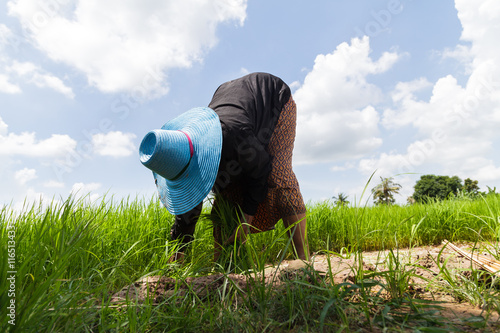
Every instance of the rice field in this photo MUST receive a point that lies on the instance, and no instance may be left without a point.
(61, 264)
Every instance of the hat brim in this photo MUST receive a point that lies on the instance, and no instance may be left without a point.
(184, 193)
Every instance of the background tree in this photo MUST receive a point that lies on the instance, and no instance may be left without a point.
(383, 193)
(341, 199)
(471, 187)
(438, 187)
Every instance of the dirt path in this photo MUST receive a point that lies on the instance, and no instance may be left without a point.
(425, 263)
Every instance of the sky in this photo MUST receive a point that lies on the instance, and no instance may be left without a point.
(389, 88)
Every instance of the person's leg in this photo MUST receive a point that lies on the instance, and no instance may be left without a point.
(183, 230)
(289, 200)
(298, 233)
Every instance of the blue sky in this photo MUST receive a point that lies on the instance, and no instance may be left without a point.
(401, 88)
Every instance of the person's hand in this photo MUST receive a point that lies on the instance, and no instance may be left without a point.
(241, 231)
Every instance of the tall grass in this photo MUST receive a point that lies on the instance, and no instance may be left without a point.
(382, 227)
(70, 257)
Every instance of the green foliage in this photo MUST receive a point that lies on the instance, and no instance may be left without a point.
(72, 256)
(383, 193)
(381, 227)
(436, 187)
(471, 187)
(340, 199)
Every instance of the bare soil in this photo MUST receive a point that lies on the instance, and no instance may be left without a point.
(424, 262)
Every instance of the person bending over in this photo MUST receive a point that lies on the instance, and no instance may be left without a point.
(240, 147)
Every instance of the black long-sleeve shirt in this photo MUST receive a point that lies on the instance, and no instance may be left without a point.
(248, 108)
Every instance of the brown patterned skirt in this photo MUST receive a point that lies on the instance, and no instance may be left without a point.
(283, 197)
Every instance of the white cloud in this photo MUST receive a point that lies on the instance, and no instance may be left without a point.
(425, 116)
(294, 85)
(15, 72)
(53, 184)
(5, 34)
(114, 144)
(461, 53)
(25, 175)
(85, 188)
(336, 119)
(32, 199)
(42, 79)
(405, 90)
(244, 71)
(26, 144)
(126, 46)
(487, 172)
(3, 127)
(88, 191)
(23, 68)
(52, 82)
(346, 166)
(457, 128)
(8, 87)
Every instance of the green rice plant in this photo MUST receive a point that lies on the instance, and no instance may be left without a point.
(227, 218)
(45, 252)
(398, 276)
(69, 255)
(382, 225)
(72, 256)
(491, 222)
(470, 285)
(257, 250)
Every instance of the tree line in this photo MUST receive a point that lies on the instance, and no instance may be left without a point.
(428, 188)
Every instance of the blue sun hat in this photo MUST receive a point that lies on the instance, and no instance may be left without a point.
(184, 156)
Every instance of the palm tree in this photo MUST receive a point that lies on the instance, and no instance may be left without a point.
(383, 193)
(341, 199)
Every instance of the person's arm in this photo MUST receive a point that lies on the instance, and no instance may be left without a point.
(183, 229)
